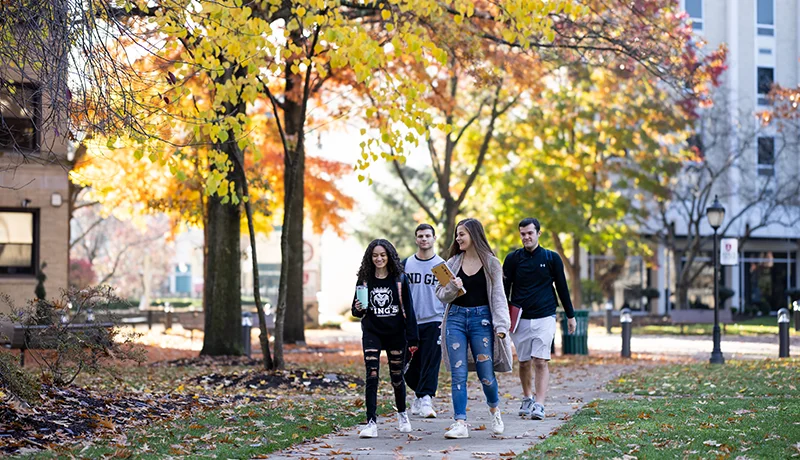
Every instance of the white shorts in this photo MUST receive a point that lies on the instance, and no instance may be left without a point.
(534, 338)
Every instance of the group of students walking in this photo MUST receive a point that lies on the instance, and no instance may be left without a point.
(417, 321)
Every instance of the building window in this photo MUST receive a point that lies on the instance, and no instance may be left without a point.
(766, 156)
(767, 277)
(694, 8)
(766, 76)
(765, 17)
(20, 115)
(19, 241)
(269, 277)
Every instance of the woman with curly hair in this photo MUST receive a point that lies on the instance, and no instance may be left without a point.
(388, 310)
(476, 318)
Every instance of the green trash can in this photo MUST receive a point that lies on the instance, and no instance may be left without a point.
(577, 343)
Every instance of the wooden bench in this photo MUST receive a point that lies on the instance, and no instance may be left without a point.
(30, 337)
(700, 316)
(192, 321)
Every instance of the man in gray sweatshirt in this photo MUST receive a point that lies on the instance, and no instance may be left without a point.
(423, 371)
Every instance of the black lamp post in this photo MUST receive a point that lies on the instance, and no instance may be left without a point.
(716, 214)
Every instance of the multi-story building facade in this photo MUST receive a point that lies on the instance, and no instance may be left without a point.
(763, 42)
(34, 188)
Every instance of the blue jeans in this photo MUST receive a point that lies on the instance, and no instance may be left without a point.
(473, 326)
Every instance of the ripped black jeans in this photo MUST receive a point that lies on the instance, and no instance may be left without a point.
(395, 352)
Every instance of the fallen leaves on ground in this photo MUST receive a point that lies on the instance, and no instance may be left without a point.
(71, 414)
(297, 379)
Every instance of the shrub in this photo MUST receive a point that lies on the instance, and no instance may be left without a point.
(72, 350)
(16, 381)
(39, 291)
(81, 273)
(651, 293)
(591, 291)
(725, 293)
(764, 307)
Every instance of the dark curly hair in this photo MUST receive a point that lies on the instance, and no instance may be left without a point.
(367, 270)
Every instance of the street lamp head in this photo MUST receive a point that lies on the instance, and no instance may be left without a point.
(715, 213)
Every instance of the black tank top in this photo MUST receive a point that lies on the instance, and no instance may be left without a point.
(475, 285)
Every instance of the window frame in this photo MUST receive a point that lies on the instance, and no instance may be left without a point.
(698, 23)
(33, 269)
(767, 29)
(761, 98)
(36, 119)
(765, 169)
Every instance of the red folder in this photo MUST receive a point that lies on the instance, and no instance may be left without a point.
(515, 313)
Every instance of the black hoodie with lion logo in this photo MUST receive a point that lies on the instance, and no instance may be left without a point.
(386, 315)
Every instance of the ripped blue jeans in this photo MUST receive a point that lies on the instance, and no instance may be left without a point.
(471, 325)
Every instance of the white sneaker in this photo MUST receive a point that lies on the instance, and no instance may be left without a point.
(497, 422)
(371, 430)
(415, 406)
(457, 430)
(426, 407)
(402, 422)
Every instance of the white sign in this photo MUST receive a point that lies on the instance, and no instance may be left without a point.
(729, 251)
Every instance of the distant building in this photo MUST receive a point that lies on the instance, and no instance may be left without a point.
(186, 279)
(34, 193)
(763, 40)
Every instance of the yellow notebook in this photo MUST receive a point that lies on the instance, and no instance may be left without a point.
(444, 275)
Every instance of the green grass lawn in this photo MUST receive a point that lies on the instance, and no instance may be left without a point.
(249, 430)
(742, 409)
(764, 325)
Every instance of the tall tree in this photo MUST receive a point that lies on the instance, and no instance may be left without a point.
(723, 149)
(290, 48)
(583, 159)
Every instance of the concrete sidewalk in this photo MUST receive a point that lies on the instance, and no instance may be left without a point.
(570, 388)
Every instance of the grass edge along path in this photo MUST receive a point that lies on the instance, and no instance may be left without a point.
(716, 422)
(762, 326)
(246, 431)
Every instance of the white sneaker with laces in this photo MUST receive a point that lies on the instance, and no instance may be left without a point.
(415, 405)
(402, 422)
(538, 412)
(426, 407)
(457, 430)
(370, 431)
(497, 422)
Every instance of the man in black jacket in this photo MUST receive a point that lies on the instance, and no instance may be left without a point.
(530, 274)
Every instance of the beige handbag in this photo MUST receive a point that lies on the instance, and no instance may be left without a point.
(503, 359)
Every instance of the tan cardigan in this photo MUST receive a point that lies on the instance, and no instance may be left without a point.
(498, 305)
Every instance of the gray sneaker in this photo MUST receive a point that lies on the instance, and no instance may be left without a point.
(526, 407)
(538, 412)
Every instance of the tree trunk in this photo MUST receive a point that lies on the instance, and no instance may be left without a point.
(289, 313)
(292, 233)
(144, 300)
(681, 288)
(572, 267)
(449, 216)
(222, 291)
(262, 316)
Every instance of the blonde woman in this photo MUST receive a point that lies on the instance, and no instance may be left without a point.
(477, 320)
